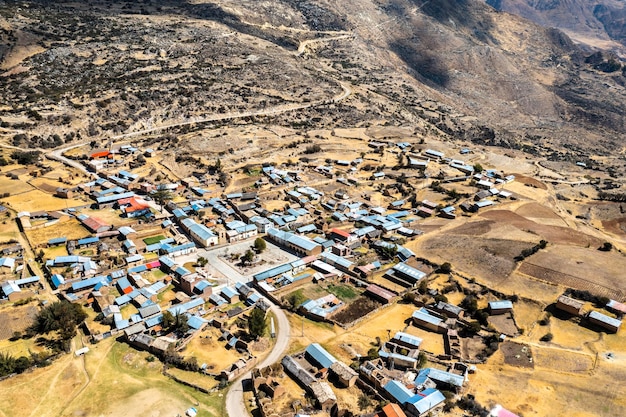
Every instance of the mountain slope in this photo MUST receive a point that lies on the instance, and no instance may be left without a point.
(457, 68)
(591, 23)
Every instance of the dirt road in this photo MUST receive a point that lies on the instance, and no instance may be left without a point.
(235, 406)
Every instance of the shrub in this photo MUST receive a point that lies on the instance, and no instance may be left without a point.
(547, 337)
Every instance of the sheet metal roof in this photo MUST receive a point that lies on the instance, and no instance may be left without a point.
(320, 355)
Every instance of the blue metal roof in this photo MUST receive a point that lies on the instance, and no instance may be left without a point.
(320, 355)
(423, 315)
(438, 375)
(137, 269)
(57, 280)
(196, 322)
(270, 273)
(202, 285)
(427, 400)
(153, 321)
(86, 283)
(57, 241)
(229, 292)
(123, 299)
(398, 391)
(184, 307)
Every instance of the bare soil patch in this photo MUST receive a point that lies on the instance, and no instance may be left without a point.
(504, 323)
(615, 226)
(562, 360)
(552, 234)
(582, 268)
(567, 280)
(475, 228)
(16, 320)
(490, 259)
(361, 307)
(517, 354)
(530, 181)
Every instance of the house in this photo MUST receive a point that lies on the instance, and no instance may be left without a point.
(93, 224)
(569, 305)
(391, 410)
(230, 294)
(63, 192)
(427, 402)
(379, 293)
(449, 310)
(7, 264)
(500, 307)
(134, 207)
(345, 375)
(200, 233)
(430, 153)
(299, 244)
(609, 323)
(405, 275)
(319, 356)
(425, 319)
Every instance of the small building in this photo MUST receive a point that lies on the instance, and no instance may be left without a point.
(569, 305)
(391, 410)
(500, 307)
(380, 294)
(609, 323)
(63, 192)
(425, 319)
(346, 375)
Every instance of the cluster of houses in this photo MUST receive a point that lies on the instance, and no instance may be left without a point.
(575, 308)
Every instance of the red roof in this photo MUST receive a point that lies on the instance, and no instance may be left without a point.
(132, 204)
(94, 224)
(392, 410)
(340, 232)
(153, 264)
(100, 154)
(379, 291)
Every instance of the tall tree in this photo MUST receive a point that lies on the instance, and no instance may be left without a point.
(257, 323)
(162, 196)
(259, 244)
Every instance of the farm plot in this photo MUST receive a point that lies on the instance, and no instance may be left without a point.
(517, 354)
(562, 360)
(361, 307)
(582, 268)
(16, 320)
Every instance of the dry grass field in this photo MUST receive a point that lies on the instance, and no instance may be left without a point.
(110, 380)
(72, 229)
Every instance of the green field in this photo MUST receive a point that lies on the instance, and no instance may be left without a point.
(153, 239)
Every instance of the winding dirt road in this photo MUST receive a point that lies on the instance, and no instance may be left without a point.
(235, 406)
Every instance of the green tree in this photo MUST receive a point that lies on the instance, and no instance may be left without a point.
(247, 257)
(478, 168)
(202, 261)
(162, 196)
(445, 268)
(257, 323)
(388, 252)
(259, 244)
(61, 316)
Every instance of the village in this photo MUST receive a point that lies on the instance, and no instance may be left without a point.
(177, 269)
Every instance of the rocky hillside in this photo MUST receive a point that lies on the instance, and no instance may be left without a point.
(591, 22)
(453, 68)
